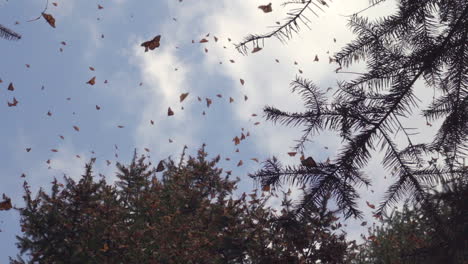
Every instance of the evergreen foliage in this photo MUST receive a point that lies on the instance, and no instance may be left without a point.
(283, 32)
(411, 236)
(187, 214)
(8, 34)
(424, 41)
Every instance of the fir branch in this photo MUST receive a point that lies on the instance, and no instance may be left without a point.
(399, 50)
(394, 160)
(8, 34)
(372, 3)
(285, 31)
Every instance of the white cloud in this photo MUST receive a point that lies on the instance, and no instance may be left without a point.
(163, 85)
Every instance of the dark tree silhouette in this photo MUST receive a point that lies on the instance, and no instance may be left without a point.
(175, 213)
(424, 41)
(411, 236)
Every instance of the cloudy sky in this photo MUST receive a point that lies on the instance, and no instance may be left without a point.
(50, 67)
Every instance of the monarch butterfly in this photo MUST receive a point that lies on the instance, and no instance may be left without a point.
(152, 44)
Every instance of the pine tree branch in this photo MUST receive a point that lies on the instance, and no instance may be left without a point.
(393, 159)
(454, 131)
(8, 34)
(373, 3)
(285, 31)
(400, 50)
(345, 196)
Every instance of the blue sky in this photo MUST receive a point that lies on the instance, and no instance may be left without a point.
(119, 59)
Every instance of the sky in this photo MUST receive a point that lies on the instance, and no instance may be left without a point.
(50, 67)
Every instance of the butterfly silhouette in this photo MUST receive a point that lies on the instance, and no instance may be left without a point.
(152, 44)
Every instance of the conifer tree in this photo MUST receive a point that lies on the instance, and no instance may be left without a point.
(411, 235)
(182, 212)
(422, 42)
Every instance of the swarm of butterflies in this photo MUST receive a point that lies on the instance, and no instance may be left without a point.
(151, 45)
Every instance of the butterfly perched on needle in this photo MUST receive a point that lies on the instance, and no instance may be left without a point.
(152, 44)
(309, 162)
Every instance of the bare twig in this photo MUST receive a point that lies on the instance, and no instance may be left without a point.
(365, 9)
(39, 17)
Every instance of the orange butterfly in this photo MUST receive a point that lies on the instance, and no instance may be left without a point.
(266, 8)
(160, 166)
(256, 49)
(309, 162)
(92, 81)
(15, 102)
(183, 96)
(6, 204)
(170, 112)
(152, 44)
(370, 205)
(50, 19)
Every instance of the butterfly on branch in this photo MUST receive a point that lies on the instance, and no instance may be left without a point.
(309, 162)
